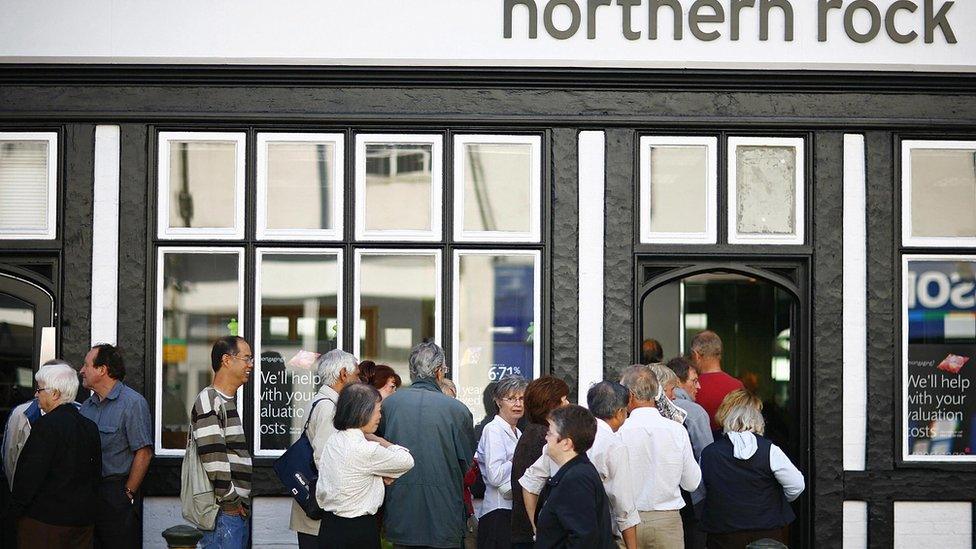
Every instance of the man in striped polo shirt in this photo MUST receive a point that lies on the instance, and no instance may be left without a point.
(221, 443)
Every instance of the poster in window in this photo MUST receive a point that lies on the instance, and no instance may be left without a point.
(940, 354)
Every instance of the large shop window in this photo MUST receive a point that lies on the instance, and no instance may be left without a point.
(28, 185)
(679, 190)
(939, 301)
(303, 276)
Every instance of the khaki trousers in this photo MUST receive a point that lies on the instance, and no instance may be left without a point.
(660, 530)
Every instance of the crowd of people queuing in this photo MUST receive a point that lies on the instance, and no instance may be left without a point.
(670, 455)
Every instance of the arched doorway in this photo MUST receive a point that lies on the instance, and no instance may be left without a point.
(761, 314)
(25, 308)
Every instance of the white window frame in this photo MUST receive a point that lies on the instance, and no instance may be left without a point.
(536, 256)
(164, 231)
(338, 164)
(710, 235)
(906, 197)
(158, 391)
(50, 233)
(357, 289)
(256, 378)
(535, 181)
(797, 143)
(436, 141)
(905, 450)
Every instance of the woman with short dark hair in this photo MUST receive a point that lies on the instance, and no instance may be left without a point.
(352, 470)
(542, 396)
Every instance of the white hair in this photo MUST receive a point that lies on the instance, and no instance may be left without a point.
(665, 376)
(60, 377)
(330, 365)
(425, 359)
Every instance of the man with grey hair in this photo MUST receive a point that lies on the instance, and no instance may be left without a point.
(425, 507)
(661, 462)
(607, 400)
(334, 370)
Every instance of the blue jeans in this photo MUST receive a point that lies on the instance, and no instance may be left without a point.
(230, 532)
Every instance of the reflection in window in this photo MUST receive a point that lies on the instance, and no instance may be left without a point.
(299, 320)
(940, 305)
(16, 353)
(200, 302)
(943, 193)
(202, 184)
(397, 304)
(495, 321)
(25, 188)
(498, 187)
(765, 190)
(753, 318)
(301, 183)
(398, 187)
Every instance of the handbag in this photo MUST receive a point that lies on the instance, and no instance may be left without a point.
(197, 495)
(297, 471)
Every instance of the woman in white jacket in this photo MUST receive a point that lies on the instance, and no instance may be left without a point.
(494, 457)
(353, 470)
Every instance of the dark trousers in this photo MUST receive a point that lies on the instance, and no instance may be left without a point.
(349, 533)
(307, 541)
(739, 540)
(34, 534)
(495, 530)
(117, 520)
(694, 537)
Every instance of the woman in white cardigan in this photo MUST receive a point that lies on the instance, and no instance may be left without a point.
(353, 470)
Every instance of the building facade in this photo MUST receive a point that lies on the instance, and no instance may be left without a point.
(537, 186)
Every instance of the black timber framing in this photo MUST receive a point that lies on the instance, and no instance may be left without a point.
(823, 105)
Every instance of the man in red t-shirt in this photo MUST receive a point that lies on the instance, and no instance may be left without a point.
(706, 352)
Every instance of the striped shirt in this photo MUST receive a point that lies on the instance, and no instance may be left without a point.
(222, 447)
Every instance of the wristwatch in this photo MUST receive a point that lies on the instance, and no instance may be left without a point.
(129, 494)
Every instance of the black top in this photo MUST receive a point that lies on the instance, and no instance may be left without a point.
(575, 511)
(743, 494)
(59, 470)
(528, 449)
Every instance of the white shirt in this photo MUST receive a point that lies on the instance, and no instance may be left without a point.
(494, 455)
(609, 456)
(351, 472)
(661, 460)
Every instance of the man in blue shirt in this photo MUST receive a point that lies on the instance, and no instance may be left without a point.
(125, 429)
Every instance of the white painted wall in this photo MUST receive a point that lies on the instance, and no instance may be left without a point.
(942, 524)
(451, 32)
(855, 304)
(105, 237)
(592, 184)
(855, 525)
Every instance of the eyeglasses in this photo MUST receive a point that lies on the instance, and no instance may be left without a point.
(514, 400)
(41, 390)
(248, 359)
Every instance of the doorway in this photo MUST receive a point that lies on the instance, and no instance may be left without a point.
(761, 317)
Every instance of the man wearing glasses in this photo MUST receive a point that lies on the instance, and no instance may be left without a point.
(221, 443)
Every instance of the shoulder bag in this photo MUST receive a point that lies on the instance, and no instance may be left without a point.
(296, 469)
(197, 495)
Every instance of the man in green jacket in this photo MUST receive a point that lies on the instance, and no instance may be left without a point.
(425, 507)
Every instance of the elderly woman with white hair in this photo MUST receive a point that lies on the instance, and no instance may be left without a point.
(748, 480)
(335, 370)
(55, 491)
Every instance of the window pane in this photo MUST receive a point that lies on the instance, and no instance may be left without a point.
(300, 186)
(202, 184)
(941, 371)
(495, 324)
(943, 188)
(398, 186)
(24, 187)
(397, 307)
(200, 304)
(299, 320)
(679, 189)
(498, 183)
(765, 190)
